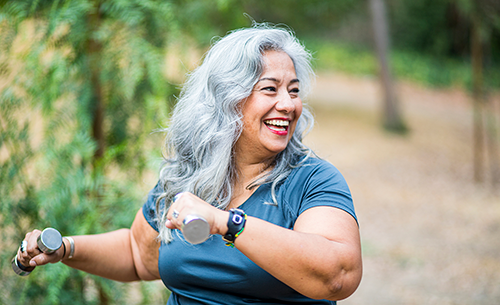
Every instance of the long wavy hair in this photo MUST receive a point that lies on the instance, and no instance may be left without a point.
(207, 120)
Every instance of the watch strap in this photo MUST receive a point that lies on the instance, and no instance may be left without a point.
(235, 225)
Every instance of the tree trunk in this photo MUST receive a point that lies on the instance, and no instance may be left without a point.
(492, 138)
(97, 105)
(390, 112)
(477, 100)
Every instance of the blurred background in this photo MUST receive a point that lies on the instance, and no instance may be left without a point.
(407, 102)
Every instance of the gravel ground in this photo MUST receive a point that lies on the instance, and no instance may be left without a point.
(429, 234)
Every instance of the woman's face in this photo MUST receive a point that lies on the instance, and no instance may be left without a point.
(271, 112)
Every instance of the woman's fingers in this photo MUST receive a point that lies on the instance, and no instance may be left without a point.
(43, 259)
(185, 204)
(30, 250)
(32, 256)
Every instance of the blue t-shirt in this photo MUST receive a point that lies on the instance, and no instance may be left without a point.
(213, 273)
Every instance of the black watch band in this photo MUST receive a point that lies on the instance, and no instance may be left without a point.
(235, 225)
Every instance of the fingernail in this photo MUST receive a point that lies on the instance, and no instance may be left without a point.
(32, 263)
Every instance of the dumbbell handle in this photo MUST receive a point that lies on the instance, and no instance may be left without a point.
(49, 241)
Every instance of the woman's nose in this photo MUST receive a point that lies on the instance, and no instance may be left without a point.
(285, 103)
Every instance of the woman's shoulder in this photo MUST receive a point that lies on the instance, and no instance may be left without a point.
(316, 182)
(149, 209)
(314, 167)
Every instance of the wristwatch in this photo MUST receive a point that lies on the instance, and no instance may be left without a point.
(235, 225)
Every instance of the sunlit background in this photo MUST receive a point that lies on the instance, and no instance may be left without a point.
(407, 106)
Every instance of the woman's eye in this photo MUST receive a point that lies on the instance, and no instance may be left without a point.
(294, 92)
(272, 89)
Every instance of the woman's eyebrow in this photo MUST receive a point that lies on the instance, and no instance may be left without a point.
(268, 78)
(295, 80)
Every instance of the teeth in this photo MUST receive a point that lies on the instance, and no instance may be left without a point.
(277, 122)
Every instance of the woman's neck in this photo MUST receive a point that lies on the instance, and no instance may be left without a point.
(247, 174)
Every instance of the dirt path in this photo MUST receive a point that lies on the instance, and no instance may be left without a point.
(430, 236)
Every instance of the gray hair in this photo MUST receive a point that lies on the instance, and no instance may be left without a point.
(206, 122)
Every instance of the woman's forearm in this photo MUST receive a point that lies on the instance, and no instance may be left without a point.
(108, 255)
(309, 263)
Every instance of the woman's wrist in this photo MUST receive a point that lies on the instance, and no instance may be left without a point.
(63, 250)
(68, 248)
(221, 222)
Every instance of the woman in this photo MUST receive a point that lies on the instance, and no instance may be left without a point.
(235, 141)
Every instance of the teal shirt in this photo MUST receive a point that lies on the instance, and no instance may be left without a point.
(213, 273)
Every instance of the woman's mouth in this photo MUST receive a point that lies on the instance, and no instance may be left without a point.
(278, 126)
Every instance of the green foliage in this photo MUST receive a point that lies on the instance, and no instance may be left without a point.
(442, 28)
(407, 65)
(412, 22)
(59, 60)
(343, 57)
(202, 20)
(306, 17)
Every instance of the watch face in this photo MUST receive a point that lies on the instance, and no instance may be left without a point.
(237, 219)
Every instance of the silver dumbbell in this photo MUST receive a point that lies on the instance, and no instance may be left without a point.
(49, 241)
(195, 229)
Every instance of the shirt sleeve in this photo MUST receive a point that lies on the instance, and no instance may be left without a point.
(325, 186)
(149, 207)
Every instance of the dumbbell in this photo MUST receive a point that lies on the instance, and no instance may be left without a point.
(49, 241)
(195, 229)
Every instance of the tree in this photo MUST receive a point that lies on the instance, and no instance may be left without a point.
(81, 84)
(483, 17)
(391, 114)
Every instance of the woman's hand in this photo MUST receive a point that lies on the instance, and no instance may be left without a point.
(32, 256)
(189, 204)
(123, 255)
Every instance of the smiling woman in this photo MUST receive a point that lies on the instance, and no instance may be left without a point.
(271, 112)
(235, 161)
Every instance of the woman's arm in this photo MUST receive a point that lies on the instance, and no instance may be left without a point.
(320, 258)
(122, 255)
